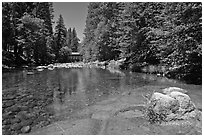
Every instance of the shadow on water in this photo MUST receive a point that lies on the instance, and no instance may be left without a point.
(59, 93)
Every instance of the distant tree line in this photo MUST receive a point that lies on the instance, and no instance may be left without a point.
(153, 33)
(28, 37)
(66, 41)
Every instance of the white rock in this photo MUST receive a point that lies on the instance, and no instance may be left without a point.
(175, 105)
(50, 68)
(51, 65)
(171, 89)
(40, 69)
(162, 102)
(183, 99)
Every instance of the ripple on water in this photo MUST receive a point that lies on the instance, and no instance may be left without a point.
(52, 95)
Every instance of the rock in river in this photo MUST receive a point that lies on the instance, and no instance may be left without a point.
(184, 101)
(25, 129)
(15, 120)
(173, 106)
(8, 103)
(16, 126)
(162, 103)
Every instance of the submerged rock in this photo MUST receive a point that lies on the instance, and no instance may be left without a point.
(15, 126)
(25, 129)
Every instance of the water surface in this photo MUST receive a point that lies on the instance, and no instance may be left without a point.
(52, 95)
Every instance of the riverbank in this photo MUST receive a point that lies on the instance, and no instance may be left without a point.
(163, 71)
(178, 73)
(190, 74)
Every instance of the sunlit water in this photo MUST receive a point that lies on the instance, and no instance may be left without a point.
(63, 92)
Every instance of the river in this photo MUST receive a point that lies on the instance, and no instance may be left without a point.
(47, 96)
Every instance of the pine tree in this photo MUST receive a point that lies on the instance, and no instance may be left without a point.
(44, 10)
(7, 28)
(28, 35)
(92, 20)
(101, 31)
(43, 48)
(74, 41)
(60, 36)
(69, 37)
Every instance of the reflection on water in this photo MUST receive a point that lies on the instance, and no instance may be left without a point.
(73, 89)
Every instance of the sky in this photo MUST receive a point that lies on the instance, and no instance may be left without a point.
(74, 15)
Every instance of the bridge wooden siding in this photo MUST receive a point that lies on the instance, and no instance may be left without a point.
(75, 57)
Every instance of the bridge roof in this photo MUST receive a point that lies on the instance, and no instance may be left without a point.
(75, 53)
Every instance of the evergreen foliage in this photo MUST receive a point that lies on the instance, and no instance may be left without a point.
(28, 37)
(64, 54)
(141, 33)
(60, 36)
(153, 33)
(74, 41)
(27, 32)
(69, 37)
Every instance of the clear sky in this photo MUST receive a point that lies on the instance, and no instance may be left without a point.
(74, 15)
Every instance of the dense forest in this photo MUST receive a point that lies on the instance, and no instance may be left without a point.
(153, 33)
(139, 33)
(28, 37)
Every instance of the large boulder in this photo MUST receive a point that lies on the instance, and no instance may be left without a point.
(171, 106)
(185, 103)
(160, 106)
(163, 103)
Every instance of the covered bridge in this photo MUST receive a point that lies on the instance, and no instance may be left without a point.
(75, 57)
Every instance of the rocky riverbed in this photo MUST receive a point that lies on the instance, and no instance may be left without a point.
(124, 115)
(52, 101)
(23, 109)
(105, 64)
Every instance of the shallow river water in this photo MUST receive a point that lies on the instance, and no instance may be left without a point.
(50, 95)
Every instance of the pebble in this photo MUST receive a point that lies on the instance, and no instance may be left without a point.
(7, 115)
(31, 105)
(15, 120)
(8, 97)
(23, 108)
(5, 127)
(16, 126)
(15, 109)
(6, 122)
(30, 115)
(25, 129)
(128, 128)
(23, 115)
(8, 104)
(26, 122)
